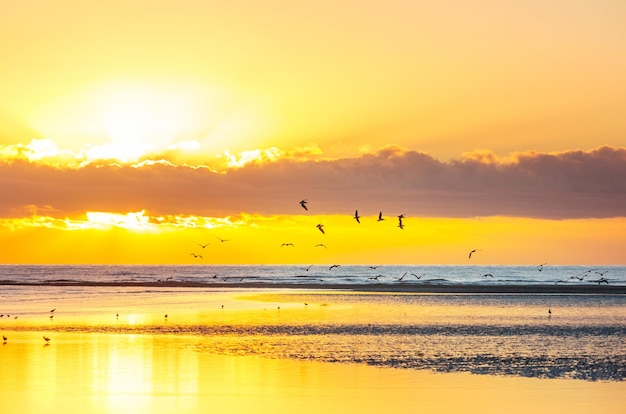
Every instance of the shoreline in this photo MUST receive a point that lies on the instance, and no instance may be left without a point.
(374, 287)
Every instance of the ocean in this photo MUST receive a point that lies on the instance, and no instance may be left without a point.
(320, 275)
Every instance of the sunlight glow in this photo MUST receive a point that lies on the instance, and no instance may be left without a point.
(132, 221)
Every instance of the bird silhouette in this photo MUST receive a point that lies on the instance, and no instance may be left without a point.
(333, 266)
(380, 216)
(540, 267)
(472, 252)
(287, 245)
(45, 338)
(203, 245)
(357, 217)
(321, 244)
(222, 240)
(321, 228)
(303, 204)
(196, 255)
(307, 268)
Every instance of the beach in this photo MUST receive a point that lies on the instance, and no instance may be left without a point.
(233, 350)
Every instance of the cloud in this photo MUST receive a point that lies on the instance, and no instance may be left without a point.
(570, 184)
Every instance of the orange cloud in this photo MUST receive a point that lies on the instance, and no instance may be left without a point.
(572, 184)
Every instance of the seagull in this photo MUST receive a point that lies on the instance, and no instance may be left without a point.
(487, 275)
(540, 267)
(307, 268)
(380, 216)
(321, 228)
(601, 280)
(402, 277)
(357, 217)
(303, 204)
(473, 251)
(375, 277)
(374, 267)
(222, 240)
(46, 339)
(418, 277)
(601, 273)
(401, 225)
(321, 244)
(400, 217)
(287, 244)
(203, 245)
(196, 255)
(331, 268)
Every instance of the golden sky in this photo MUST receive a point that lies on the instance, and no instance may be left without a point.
(129, 127)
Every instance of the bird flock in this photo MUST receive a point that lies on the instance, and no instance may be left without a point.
(320, 227)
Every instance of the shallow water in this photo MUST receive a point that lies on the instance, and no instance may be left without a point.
(497, 334)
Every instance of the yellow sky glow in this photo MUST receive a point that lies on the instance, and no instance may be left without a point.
(145, 124)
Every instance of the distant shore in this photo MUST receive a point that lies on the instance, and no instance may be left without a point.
(373, 287)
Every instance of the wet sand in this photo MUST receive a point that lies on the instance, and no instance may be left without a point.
(95, 362)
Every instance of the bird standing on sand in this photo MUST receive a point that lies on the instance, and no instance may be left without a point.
(45, 338)
(321, 228)
(357, 217)
(472, 252)
(303, 204)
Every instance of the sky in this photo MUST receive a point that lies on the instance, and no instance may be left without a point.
(137, 131)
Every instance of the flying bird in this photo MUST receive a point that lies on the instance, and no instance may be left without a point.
(333, 266)
(380, 216)
(418, 277)
(196, 255)
(540, 267)
(52, 310)
(203, 245)
(307, 268)
(222, 240)
(287, 245)
(400, 224)
(473, 251)
(402, 277)
(321, 228)
(321, 244)
(487, 275)
(303, 204)
(357, 217)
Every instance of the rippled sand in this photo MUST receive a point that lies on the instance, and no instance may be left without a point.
(287, 351)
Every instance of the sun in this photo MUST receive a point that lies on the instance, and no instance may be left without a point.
(138, 121)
